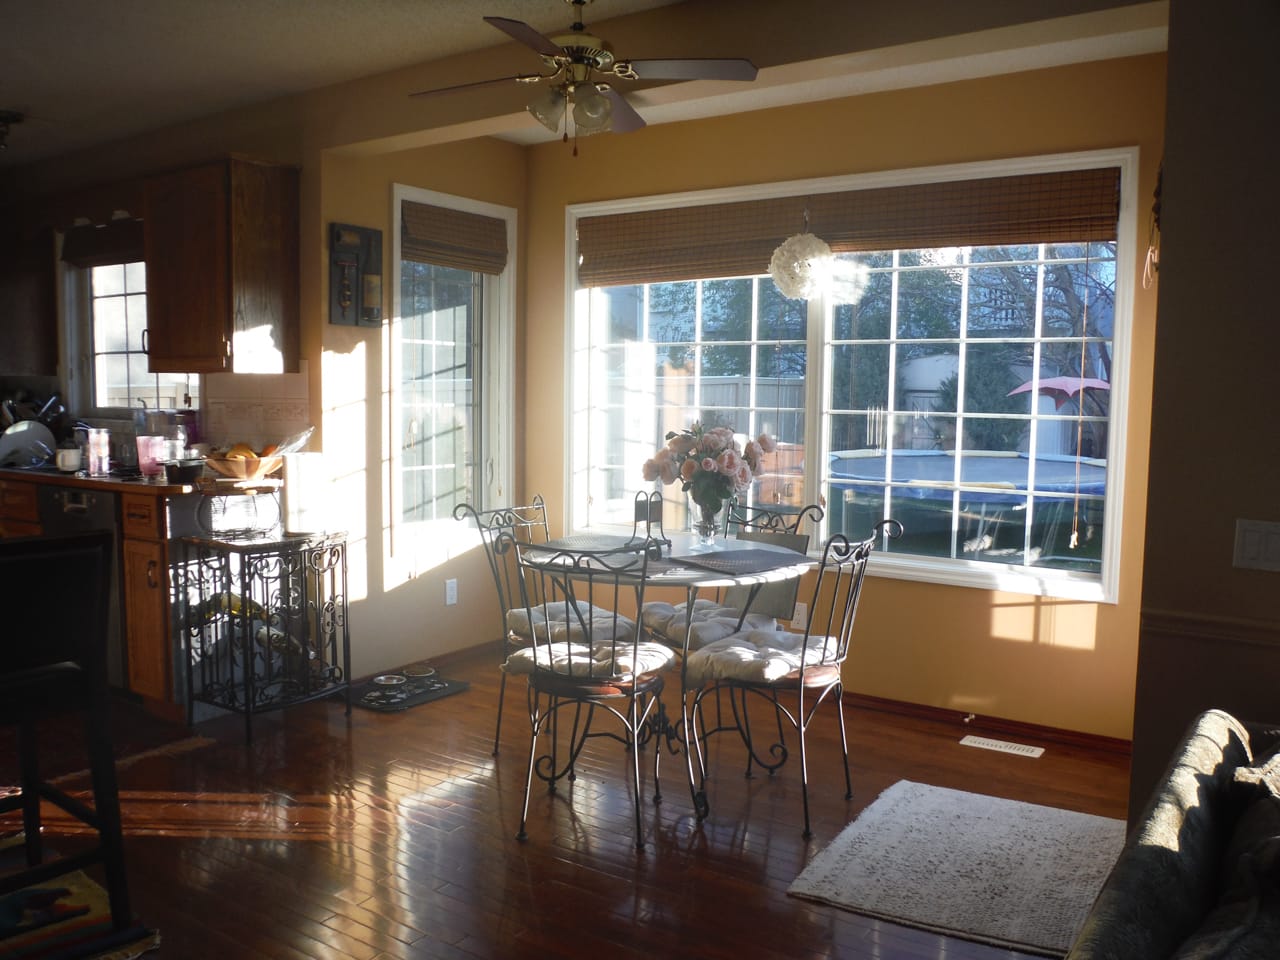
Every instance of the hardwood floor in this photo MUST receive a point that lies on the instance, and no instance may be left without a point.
(385, 836)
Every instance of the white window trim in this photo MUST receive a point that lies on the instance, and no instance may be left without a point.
(495, 378)
(1012, 579)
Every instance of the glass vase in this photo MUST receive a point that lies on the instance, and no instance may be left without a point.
(710, 519)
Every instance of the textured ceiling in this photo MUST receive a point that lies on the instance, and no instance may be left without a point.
(87, 72)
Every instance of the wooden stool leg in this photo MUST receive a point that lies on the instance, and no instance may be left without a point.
(29, 772)
(106, 803)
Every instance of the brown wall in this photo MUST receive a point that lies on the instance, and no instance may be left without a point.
(1210, 633)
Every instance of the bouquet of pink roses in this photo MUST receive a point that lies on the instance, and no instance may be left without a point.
(709, 464)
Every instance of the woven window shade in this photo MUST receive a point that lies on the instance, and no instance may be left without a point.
(118, 241)
(452, 238)
(737, 239)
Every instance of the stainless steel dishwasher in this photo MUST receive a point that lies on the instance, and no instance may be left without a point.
(65, 510)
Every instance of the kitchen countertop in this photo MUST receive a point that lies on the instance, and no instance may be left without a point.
(209, 486)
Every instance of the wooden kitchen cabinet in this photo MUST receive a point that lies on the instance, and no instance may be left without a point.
(28, 305)
(222, 268)
(19, 515)
(145, 576)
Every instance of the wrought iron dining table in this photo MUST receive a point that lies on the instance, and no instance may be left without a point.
(680, 561)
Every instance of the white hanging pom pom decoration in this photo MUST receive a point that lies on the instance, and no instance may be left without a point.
(801, 266)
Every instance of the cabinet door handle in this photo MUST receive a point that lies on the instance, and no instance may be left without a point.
(152, 566)
(146, 343)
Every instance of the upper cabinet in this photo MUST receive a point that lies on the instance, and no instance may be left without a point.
(28, 305)
(222, 268)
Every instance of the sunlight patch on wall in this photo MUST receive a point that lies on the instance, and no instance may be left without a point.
(1045, 621)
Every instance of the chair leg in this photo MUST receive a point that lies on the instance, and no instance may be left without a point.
(106, 804)
(535, 722)
(801, 724)
(844, 742)
(502, 693)
(29, 778)
(635, 766)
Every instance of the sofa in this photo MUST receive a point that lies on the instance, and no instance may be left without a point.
(1199, 875)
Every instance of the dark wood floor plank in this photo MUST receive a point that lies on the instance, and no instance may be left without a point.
(392, 837)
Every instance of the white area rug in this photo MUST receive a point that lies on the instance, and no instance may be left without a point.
(982, 868)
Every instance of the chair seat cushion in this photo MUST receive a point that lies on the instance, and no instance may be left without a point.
(605, 660)
(519, 629)
(760, 656)
(711, 622)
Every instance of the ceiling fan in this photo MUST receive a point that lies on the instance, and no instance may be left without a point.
(581, 67)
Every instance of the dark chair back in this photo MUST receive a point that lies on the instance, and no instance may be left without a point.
(585, 608)
(837, 588)
(781, 528)
(523, 524)
(775, 519)
(55, 620)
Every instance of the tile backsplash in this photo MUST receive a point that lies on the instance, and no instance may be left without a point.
(255, 408)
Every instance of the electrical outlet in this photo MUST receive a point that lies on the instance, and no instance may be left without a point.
(801, 616)
(450, 592)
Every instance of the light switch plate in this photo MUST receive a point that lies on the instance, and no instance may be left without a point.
(1257, 545)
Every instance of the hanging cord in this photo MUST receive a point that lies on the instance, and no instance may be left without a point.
(1084, 333)
(777, 415)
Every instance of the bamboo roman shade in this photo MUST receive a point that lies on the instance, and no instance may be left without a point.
(452, 238)
(737, 239)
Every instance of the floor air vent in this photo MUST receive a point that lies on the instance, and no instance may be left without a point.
(1004, 746)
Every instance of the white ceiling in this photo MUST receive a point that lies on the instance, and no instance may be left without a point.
(88, 72)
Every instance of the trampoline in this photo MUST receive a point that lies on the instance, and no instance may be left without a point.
(998, 493)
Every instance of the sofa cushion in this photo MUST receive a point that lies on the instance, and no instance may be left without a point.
(1245, 923)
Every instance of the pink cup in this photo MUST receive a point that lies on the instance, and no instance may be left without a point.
(150, 455)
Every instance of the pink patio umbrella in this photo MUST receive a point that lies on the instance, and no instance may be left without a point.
(1062, 389)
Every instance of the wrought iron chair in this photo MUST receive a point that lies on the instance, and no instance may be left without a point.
(792, 672)
(759, 607)
(587, 656)
(524, 524)
(55, 663)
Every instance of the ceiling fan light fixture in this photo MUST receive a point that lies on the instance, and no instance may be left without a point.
(548, 108)
(592, 110)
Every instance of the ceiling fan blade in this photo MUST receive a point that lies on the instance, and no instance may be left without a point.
(623, 118)
(519, 30)
(519, 77)
(697, 68)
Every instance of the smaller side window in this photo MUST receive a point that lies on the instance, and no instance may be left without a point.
(111, 339)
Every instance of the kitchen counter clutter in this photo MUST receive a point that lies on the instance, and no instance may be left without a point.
(149, 519)
(263, 621)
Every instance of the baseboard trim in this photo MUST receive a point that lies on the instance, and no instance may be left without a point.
(972, 723)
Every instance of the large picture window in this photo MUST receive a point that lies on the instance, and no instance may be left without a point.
(973, 391)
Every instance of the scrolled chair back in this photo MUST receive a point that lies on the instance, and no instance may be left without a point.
(741, 517)
(525, 523)
(837, 589)
(581, 609)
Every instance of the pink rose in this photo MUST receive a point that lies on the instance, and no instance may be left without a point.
(668, 469)
(753, 453)
(767, 443)
(728, 463)
(744, 477)
(708, 464)
(651, 472)
(688, 469)
(663, 455)
(682, 444)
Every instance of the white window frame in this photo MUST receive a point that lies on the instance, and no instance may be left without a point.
(494, 379)
(1103, 588)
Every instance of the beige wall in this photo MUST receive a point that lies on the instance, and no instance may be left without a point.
(1058, 663)
(397, 587)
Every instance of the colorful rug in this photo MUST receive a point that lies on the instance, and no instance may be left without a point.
(981, 868)
(64, 918)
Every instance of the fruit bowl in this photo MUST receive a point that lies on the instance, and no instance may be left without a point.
(245, 468)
